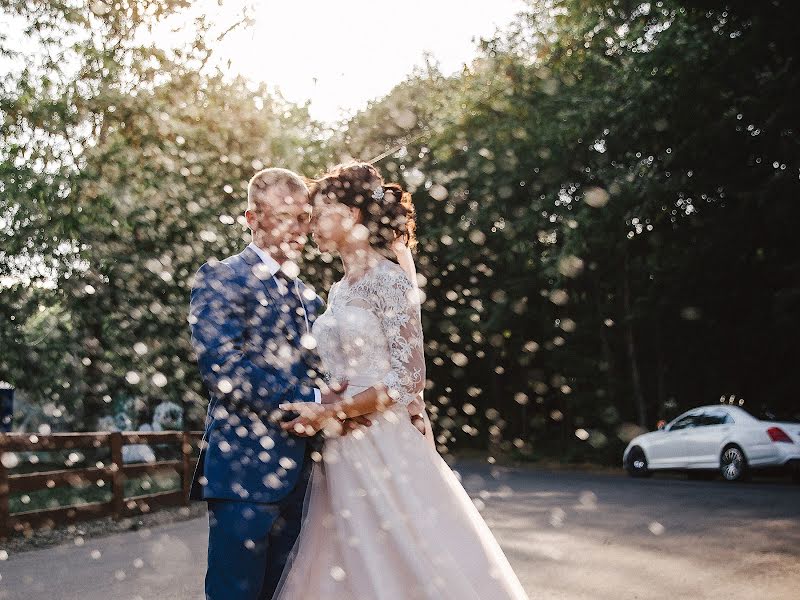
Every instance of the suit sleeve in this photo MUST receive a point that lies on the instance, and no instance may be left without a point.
(217, 318)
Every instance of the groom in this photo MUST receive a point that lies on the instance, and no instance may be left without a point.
(251, 330)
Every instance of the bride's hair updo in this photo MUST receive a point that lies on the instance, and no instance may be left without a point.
(386, 210)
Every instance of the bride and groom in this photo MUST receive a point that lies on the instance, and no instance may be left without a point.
(323, 487)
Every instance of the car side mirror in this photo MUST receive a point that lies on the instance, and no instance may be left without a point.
(661, 425)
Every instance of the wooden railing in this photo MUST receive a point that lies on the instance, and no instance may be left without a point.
(113, 472)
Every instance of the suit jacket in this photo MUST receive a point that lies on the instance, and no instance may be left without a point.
(248, 349)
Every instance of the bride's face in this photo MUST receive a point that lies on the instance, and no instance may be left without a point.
(333, 225)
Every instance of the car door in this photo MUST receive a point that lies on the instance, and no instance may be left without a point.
(705, 439)
(669, 450)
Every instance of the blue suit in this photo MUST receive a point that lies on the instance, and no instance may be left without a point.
(246, 333)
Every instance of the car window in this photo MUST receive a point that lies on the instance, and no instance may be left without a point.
(713, 417)
(685, 422)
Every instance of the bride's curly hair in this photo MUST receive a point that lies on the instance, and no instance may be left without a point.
(387, 211)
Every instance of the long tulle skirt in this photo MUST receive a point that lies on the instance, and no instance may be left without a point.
(386, 519)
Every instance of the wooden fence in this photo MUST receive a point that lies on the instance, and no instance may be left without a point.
(113, 472)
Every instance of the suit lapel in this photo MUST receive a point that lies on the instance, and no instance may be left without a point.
(310, 305)
(258, 270)
(262, 281)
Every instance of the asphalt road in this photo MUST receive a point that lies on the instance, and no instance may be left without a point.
(568, 535)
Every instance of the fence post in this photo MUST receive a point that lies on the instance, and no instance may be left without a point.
(186, 480)
(117, 475)
(4, 493)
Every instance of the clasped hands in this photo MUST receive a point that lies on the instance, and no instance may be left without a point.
(327, 416)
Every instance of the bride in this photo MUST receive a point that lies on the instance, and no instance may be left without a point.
(386, 518)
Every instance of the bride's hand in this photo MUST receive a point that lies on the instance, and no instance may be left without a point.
(419, 422)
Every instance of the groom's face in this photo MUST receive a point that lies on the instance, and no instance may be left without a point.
(279, 220)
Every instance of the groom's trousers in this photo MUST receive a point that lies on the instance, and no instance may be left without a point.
(249, 543)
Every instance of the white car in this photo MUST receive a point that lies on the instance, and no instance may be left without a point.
(719, 437)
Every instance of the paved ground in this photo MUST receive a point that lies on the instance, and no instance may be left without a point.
(574, 536)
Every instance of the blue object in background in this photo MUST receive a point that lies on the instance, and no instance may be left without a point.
(6, 408)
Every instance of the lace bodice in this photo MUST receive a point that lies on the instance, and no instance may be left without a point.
(371, 333)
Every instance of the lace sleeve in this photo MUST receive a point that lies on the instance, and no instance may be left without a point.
(399, 312)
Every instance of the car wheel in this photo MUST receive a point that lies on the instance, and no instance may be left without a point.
(637, 463)
(733, 464)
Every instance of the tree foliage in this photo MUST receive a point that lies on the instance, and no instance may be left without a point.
(605, 198)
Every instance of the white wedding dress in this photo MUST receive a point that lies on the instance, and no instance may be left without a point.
(386, 518)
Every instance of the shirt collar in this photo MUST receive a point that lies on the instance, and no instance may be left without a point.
(272, 265)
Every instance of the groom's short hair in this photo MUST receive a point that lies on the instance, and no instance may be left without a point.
(273, 177)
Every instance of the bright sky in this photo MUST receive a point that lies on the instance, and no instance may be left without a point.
(341, 54)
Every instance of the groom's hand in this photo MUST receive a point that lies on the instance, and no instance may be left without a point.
(304, 427)
(296, 424)
(310, 419)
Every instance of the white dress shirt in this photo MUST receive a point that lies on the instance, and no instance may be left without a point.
(273, 266)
